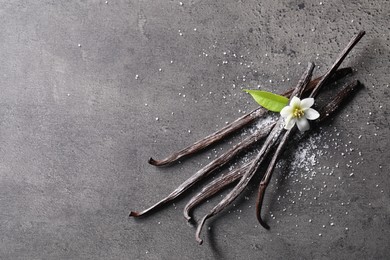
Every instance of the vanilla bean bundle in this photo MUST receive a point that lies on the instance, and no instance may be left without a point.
(276, 141)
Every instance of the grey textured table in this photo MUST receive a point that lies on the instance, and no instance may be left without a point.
(91, 89)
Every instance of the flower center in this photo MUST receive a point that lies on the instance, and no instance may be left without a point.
(298, 113)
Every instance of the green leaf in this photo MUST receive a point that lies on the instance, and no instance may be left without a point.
(268, 100)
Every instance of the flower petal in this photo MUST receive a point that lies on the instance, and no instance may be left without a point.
(295, 102)
(289, 123)
(306, 103)
(311, 114)
(286, 111)
(303, 124)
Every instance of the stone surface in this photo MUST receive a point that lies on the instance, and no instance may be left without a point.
(91, 89)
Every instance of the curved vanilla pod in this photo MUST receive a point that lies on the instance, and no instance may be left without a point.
(337, 63)
(212, 138)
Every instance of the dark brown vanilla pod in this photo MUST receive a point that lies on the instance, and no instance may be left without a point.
(337, 63)
(237, 124)
(342, 96)
(212, 138)
(268, 174)
(209, 168)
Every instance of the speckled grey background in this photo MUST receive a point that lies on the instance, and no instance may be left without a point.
(83, 82)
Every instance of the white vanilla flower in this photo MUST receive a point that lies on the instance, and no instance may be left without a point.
(299, 112)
